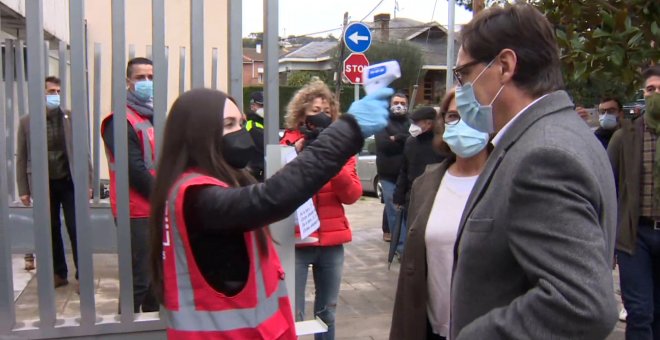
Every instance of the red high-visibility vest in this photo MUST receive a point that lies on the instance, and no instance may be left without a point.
(138, 204)
(195, 310)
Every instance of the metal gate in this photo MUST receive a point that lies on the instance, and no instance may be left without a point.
(28, 229)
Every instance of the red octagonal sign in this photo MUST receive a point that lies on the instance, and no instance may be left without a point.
(353, 66)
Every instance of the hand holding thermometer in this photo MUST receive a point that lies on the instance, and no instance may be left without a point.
(380, 75)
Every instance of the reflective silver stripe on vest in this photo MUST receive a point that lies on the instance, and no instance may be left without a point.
(187, 318)
(146, 145)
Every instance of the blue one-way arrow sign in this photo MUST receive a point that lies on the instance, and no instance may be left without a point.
(357, 37)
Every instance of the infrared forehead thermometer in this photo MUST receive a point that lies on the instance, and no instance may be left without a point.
(379, 75)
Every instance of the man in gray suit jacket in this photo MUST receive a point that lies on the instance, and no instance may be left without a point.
(534, 250)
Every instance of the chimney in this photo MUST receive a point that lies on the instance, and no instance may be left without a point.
(382, 23)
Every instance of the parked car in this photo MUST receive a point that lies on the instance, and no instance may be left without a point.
(634, 109)
(366, 169)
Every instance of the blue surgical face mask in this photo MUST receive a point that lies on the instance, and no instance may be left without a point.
(144, 89)
(608, 121)
(463, 140)
(477, 116)
(52, 101)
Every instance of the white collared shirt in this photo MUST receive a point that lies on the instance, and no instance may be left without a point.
(502, 131)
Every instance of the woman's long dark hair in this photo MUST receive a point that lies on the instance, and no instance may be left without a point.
(192, 138)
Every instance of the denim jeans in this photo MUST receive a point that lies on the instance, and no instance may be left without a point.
(390, 211)
(640, 285)
(61, 195)
(403, 232)
(327, 265)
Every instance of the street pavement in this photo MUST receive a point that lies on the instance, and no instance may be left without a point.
(366, 296)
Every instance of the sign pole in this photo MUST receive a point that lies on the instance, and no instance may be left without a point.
(357, 91)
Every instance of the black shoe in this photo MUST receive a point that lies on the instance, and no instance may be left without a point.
(60, 281)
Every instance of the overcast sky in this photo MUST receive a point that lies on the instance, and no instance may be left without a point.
(302, 17)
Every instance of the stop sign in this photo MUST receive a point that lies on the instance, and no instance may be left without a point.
(353, 66)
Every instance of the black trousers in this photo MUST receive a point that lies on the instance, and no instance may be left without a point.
(143, 297)
(61, 196)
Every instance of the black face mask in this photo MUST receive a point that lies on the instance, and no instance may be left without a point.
(314, 125)
(238, 148)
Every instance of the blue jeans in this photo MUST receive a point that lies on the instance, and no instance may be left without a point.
(390, 211)
(403, 233)
(640, 285)
(327, 264)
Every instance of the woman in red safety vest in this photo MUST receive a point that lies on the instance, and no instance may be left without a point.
(214, 267)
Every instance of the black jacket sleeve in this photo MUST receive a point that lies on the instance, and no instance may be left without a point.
(230, 210)
(139, 178)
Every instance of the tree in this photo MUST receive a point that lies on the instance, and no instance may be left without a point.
(604, 44)
(408, 55)
(300, 78)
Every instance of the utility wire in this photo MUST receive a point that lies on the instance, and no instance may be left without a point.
(368, 14)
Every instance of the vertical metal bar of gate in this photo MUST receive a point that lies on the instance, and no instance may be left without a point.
(7, 312)
(46, 54)
(131, 51)
(39, 166)
(81, 169)
(158, 52)
(63, 73)
(271, 71)
(236, 51)
(11, 117)
(214, 69)
(196, 43)
(121, 158)
(182, 69)
(96, 183)
(20, 78)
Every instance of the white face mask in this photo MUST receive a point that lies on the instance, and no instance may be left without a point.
(260, 112)
(415, 130)
(399, 109)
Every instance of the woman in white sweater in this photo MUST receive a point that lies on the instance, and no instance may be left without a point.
(438, 197)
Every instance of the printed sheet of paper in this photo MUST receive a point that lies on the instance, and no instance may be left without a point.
(306, 216)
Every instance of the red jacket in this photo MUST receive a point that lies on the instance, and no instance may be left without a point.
(344, 188)
(194, 309)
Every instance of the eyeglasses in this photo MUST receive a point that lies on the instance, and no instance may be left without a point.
(460, 70)
(610, 111)
(451, 117)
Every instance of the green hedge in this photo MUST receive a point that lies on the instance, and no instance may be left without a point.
(287, 92)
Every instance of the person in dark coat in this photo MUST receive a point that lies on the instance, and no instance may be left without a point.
(255, 126)
(389, 156)
(418, 152)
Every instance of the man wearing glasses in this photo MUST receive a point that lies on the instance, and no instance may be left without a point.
(534, 250)
(610, 114)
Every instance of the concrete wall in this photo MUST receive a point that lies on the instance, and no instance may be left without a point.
(56, 16)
